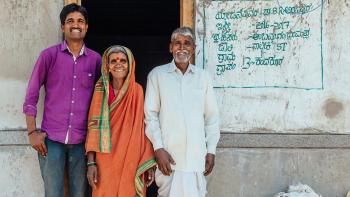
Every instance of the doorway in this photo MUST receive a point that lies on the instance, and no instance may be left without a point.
(143, 26)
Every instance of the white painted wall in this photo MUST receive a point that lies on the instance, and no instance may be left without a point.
(290, 97)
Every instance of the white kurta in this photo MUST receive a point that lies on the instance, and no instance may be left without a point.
(181, 115)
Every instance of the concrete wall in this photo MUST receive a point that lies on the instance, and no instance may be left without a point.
(266, 172)
(27, 27)
(255, 165)
(20, 173)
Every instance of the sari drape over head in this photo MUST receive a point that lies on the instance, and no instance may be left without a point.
(116, 133)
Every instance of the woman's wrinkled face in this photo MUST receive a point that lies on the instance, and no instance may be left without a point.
(118, 65)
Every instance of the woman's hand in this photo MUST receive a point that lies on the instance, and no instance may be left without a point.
(149, 176)
(91, 169)
(92, 176)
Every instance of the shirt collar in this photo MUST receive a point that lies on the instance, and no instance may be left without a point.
(172, 67)
(64, 47)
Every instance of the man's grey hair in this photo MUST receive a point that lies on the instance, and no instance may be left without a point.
(184, 31)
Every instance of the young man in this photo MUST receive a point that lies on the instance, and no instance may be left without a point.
(181, 121)
(68, 72)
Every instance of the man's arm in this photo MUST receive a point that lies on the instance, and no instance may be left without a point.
(152, 108)
(35, 82)
(211, 126)
(31, 123)
(37, 79)
(153, 132)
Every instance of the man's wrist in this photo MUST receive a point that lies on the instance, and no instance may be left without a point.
(158, 149)
(157, 146)
(211, 149)
(30, 132)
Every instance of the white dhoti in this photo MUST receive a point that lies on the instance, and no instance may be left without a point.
(181, 184)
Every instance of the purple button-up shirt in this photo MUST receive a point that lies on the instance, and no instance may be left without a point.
(69, 84)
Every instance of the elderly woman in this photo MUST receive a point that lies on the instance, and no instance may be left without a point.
(120, 156)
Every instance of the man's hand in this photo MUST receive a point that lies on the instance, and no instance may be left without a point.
(92, 176)
(209, 163)
(149, 176)
(164, 160)
(37, 141)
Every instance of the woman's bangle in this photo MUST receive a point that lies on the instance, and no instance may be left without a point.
(32, 131)
(91, 163)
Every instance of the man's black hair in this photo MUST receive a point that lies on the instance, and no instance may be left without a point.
(73, 8)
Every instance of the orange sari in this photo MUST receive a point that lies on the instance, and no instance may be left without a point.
(116, 134)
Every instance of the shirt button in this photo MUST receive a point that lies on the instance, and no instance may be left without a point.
(75, 62)
(72, 101)
(70, 126)
(74, 76)
(73, 89)
(71, 114)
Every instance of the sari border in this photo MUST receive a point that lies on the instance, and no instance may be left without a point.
(139, 183)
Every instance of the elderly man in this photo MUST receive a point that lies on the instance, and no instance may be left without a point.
(68, 71)
(181, 121)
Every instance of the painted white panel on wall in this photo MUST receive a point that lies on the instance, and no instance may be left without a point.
(277, 65)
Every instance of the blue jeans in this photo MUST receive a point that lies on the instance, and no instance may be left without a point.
(52, 169)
